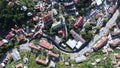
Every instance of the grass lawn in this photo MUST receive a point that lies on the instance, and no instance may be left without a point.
(31, 60)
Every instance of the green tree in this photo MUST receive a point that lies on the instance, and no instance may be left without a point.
(105, 21)
(88, 27)
(118, 17)
(98, 29)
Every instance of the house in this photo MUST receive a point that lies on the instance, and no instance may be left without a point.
(11, 4)
(15, 55)
(33, 46)
(79, 22)
(62, 32)
(54, 11)
(76, 1)
(115, 42)
(1, 43)
(116, 33)
(41, 61)
(80, 59)
(76, 36)
(100, 43)
(2, 65)
(52, 64)
(45, 44)
(5, 41)
(9, 35)
(98, 15)
(29, 14)
(19, 66)
(46, 17)
(53, 54)
(114, 63)
(57, 25)
(117, 56)
(99, 2)
(35, 18)
(24, 8)
(112, 9)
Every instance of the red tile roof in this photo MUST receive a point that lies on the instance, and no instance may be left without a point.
(35, 18)
(1, 43)
(117, 56)
(34, 47)
(46, 17)
(9, 35)
(53, 54)
(41, 61)
(78, 22)
(10, 4)
(45, 44)
(62, 32)
(100, 43)
(115, 42)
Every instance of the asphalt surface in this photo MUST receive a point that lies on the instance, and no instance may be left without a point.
(98, 36)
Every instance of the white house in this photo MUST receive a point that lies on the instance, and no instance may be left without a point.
(80, 59)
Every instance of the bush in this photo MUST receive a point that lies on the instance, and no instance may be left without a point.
(105, 21)
(118, 17)
(88, 27)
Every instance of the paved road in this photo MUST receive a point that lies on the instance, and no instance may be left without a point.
(102, 32)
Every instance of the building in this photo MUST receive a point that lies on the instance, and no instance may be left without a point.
(115, 42)
(19, 66)
(62, 32)
(112, 9)
(46, 17)
(45, 44)
(35, 18)
(57, 25)
(41, 61)
(79, 22)
(1, 43)
(80, 59)
(76, 1)
(74, 44)
(99, 2)
(2, 65)
(52, 64)
(24, 8)
(76, 36)
(11, 4)
(71, 43)
(15, 55)
(116, 33)
(34, 47)
(53, 54)
(100, 43)
(117, 56)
